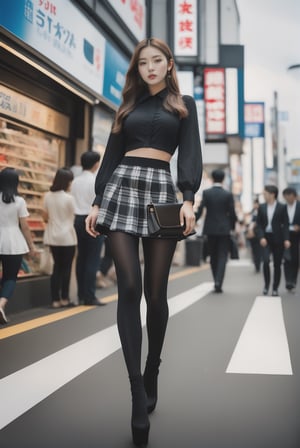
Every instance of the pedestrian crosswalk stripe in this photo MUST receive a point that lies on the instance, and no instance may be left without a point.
(263, 347)
(27, 387)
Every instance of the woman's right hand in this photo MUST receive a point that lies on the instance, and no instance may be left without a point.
(90, 222)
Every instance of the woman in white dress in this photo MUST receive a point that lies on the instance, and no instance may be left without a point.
(15, 236)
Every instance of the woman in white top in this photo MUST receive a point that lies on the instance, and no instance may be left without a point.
(60, 235)
(15, 236)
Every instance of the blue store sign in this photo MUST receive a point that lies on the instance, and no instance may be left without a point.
(62, 34)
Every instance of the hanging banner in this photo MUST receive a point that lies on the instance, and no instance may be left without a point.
(254, 118)
(133, 14)
(215, 105)
(185, 28)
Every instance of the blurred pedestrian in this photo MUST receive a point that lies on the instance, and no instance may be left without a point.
(106, 275)
(291, 260)
(220, 220)
(15, 236)
(89, 248)
(273, 233)
(256, 249)
(152, 121)
(60, 235)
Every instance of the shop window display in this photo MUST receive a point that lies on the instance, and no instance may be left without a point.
(36, 156)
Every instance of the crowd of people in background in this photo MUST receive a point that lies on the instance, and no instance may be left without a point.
(271, 231)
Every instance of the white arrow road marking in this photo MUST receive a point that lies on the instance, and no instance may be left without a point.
(263, 346)
(27, 387)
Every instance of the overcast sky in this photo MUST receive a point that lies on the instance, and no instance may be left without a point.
(270, 32)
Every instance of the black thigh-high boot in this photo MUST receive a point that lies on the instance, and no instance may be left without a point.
(125, 252)
(140, 424)
(158, 256)
(150, 383)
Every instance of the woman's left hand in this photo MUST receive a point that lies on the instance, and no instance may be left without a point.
(187, 217)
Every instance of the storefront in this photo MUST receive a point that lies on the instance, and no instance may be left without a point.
(33, 141)
(60, 82)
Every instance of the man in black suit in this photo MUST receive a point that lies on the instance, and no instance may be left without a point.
(219, 221)
(273, 232)
(291, 262)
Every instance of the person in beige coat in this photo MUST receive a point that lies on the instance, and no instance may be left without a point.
(60, 235)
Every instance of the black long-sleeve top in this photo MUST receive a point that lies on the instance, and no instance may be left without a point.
(150, 125)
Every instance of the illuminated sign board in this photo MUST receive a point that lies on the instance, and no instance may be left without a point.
(133, 14)
(61, 33)
(254, 118)
(215, 104)
(185, 28)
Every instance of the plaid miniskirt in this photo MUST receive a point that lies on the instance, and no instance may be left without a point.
(135, 183)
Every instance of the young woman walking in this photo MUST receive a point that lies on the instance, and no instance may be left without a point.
(152, 121)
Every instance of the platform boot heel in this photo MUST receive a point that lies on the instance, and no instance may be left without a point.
(140, 424)
(150, 383)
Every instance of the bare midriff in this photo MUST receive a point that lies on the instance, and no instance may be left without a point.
(150, 153)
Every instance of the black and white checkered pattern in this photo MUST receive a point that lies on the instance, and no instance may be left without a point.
(135, 183)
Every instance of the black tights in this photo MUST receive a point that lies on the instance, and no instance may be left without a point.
(158, 254)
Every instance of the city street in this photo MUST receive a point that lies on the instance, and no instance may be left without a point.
(229, 378)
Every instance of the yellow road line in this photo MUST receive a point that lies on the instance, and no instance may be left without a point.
(50, 318)
(40, 321)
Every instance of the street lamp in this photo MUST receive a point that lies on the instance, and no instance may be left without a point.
(294, 66)
(294, 70)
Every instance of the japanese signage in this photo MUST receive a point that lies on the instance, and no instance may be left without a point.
(185, 28)
(114, 74)
(214, 96)
(22, 108)
(294, 173)
(133, 14)
(254, 117)
(58, 31)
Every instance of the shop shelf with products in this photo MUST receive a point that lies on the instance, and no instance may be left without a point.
(36, 159)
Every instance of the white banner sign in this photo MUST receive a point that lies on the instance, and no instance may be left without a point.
(185, 28)
(133, 14)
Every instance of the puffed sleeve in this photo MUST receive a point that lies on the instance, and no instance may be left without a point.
(189, 165)
(22, 208)
(114, 153)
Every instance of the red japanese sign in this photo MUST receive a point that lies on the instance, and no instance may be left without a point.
(214, 96)
(185, 28)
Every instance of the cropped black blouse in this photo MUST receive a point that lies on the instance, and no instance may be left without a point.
(150, 125)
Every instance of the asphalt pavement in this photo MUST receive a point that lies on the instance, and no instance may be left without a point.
(229, 376)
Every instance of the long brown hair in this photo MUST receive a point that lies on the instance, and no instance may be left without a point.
(134, 86)
(62, 179)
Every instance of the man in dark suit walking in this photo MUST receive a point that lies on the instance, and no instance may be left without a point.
(273, 233)
(291, 262)
(219, 221)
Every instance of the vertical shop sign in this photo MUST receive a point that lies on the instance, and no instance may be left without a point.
(114, 74)
(214, 96)
(185, 28)
(254, 117)
(133, 14)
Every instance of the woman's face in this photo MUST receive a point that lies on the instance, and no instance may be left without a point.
(153, 67)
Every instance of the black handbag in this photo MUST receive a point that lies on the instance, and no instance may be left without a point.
(163, 221)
